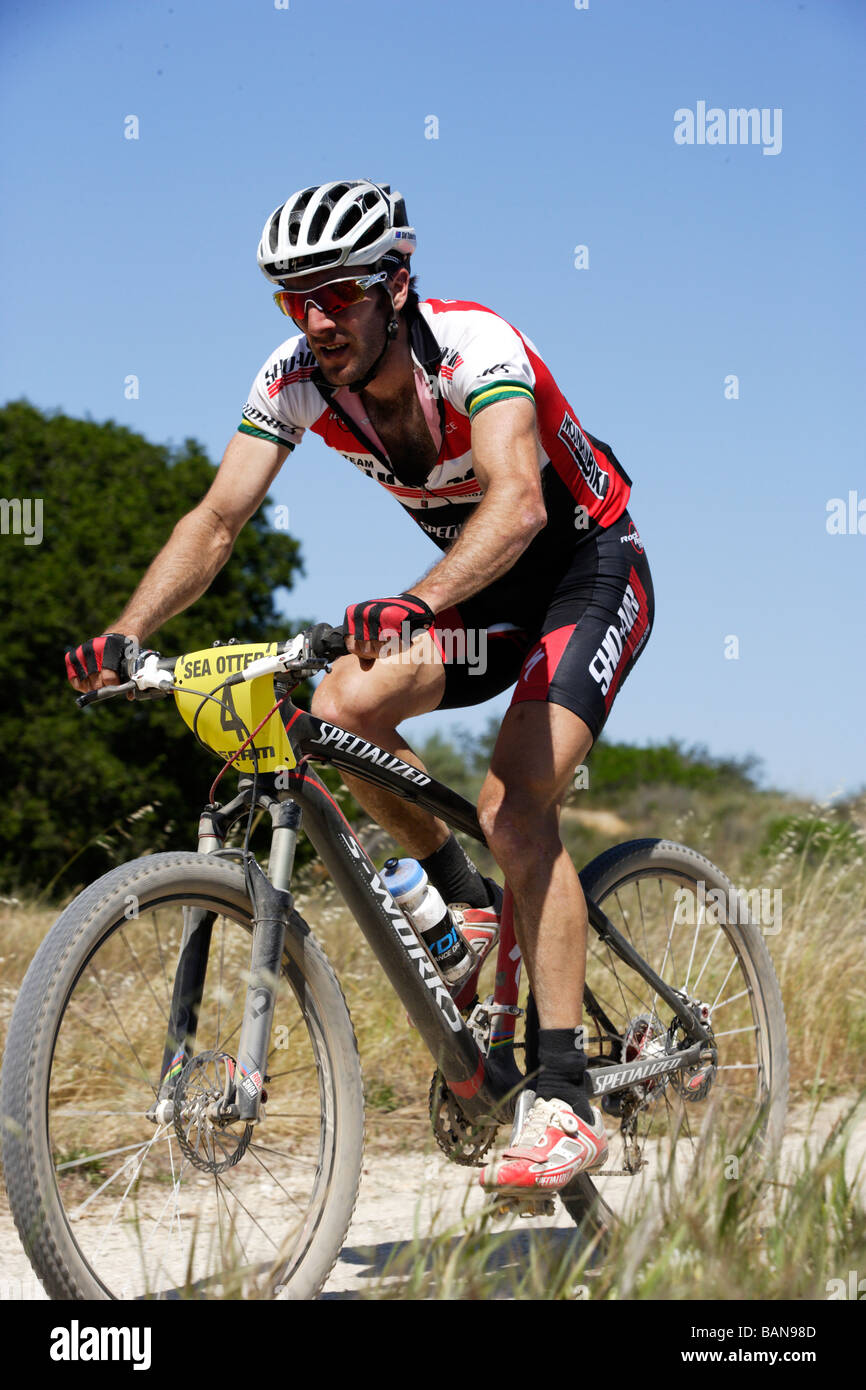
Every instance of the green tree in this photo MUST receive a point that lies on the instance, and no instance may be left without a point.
(73, 779)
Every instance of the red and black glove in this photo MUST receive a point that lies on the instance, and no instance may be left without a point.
(377, 618)
(104, 653)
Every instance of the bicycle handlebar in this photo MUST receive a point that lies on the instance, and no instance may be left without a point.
(310, 651)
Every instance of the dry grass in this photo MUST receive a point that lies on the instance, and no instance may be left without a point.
(759, 1236)
(818, 954)
(712, 1239)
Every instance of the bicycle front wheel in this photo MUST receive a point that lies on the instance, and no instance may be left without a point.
(683, 917)
(110, 1204)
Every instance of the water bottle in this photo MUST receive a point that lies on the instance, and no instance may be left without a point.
(411, 889)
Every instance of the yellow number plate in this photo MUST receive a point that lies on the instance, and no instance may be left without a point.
(225, 727)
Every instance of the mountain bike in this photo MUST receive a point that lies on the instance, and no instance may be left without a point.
(182, 1100)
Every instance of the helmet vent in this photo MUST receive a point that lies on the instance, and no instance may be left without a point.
(318, 224)
(273, 228)
(372, 233)
(348, 220)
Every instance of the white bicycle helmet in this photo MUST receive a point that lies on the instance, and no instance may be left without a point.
(354, 222)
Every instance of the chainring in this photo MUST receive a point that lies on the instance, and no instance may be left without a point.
(460, 1140)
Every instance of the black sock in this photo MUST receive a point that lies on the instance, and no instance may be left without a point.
(451, 870)
(562, 1070)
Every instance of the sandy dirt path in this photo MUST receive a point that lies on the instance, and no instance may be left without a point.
(404, 1199)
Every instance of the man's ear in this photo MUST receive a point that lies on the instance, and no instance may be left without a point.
(399, 286)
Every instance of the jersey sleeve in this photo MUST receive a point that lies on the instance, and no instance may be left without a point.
(266, 414)
(491, 365)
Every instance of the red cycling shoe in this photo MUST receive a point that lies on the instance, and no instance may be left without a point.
(553, 1146)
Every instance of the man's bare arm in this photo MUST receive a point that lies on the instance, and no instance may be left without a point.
(511, 513)
(200, 543)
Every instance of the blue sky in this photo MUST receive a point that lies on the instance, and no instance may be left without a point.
(555, 129)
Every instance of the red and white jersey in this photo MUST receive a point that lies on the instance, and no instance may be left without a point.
(465, 358)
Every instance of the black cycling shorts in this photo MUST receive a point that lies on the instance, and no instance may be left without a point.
(578, 646)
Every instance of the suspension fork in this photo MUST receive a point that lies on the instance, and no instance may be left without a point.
(272, 907)
(191, 968)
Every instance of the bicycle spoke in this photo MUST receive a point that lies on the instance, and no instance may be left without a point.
(669, 1125)
(219, 992)
(646, 949)
(292, 1071)
(148, 986)
(65, 1113)
(224, 1187)
(715, 942)
(110, 1227)
(124, 1032)
(107, 1048)
(97, 1157)
(159, 952)
(290, 1158)
(172, 1195)
(76, 1214)
(698, 926)
(743, 994)
(255, 1150)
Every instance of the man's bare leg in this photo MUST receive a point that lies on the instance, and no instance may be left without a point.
(538, 749)
(372, 703)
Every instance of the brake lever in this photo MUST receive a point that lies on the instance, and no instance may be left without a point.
(106, 692)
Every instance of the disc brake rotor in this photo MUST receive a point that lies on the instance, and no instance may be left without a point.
(209, 1142)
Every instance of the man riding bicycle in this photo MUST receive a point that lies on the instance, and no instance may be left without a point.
(453, 412)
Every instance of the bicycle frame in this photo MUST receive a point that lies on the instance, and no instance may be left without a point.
(486, 1084)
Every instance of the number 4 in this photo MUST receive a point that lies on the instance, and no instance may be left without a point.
(229, 717)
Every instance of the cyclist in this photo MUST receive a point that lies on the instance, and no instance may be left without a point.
(543, 577)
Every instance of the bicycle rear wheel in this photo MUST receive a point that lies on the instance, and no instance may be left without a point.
(682, 915)
(110, 1204)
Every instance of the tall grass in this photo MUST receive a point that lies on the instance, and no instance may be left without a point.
(818, 952)
(724, 1232)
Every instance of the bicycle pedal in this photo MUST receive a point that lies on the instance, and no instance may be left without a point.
(525, 1207)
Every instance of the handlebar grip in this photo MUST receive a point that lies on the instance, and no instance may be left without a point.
(327, 641)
